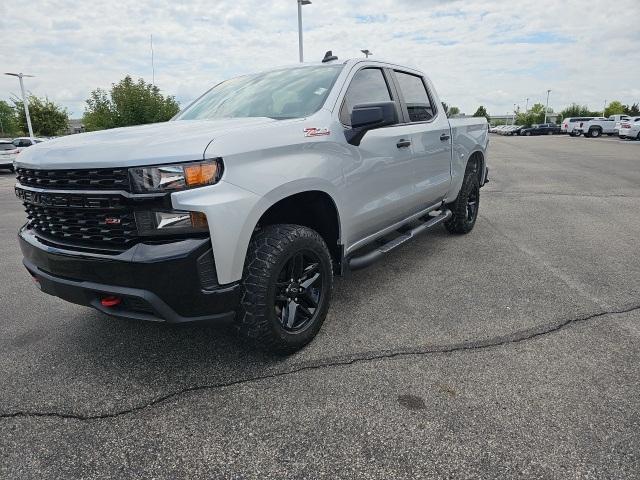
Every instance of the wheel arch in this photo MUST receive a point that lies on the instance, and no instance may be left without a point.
(313, 208)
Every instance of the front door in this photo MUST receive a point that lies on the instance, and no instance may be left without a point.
(380, 186)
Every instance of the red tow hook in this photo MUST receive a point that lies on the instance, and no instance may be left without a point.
(110, 301)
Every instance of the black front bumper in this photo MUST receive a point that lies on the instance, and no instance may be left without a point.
(170, 282)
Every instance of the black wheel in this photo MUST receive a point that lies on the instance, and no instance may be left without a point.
(638, 136)
(286, 287)
(465, 208)
(595, 133)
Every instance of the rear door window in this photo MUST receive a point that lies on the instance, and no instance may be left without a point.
(415, 96)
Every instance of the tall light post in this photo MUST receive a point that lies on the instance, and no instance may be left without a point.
(300, 4)
(513, 121)
(366, 52)
(24, 99)
(526, 108)
(547, 107)
(604, 107)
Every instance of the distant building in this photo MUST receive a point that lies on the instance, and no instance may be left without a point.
(75, 126)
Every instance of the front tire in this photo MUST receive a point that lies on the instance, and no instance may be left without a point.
(286, 288)
(465, 208)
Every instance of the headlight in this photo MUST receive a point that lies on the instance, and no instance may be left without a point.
(170, 222)
(180, 176)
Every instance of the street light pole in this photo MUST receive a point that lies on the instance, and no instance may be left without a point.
(547, 107)
(513, 122)
(24, 100)
(366, 52)
(526, 108)
(300, 4)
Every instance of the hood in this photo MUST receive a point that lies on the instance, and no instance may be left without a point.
(157, 143)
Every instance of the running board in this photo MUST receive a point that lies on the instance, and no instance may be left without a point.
(356, 263)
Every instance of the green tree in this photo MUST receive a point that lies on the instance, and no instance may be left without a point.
(614, 108)
(453, 111)
(128, 103)
(47, 117)
(632, 110)
(535, 115)
(482, 112)
(575, 110)
(8, 120)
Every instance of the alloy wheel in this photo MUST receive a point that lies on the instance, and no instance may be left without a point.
(299, 290)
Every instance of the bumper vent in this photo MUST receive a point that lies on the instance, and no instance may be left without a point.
(207, 271)
(85, 179)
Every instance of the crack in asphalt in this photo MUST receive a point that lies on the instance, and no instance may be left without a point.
(562, 194)
(513, 338)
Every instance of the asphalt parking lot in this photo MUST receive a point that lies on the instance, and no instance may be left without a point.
(509, 352)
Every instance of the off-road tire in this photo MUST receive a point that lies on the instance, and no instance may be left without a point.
(460, 223)
(268, 252)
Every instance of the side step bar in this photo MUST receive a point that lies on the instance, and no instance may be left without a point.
(356, 263)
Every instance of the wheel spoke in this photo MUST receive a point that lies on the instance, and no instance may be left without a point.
(292, 309)
(309, 271)
(310, 281)
(296, 266)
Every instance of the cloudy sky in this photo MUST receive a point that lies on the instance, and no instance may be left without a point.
(490, 52)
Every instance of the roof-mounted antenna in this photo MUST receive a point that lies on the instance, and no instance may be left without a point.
(328, 57)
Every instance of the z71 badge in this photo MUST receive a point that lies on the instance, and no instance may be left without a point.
(316, 132)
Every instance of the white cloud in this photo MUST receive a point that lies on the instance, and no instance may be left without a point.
(476, 51)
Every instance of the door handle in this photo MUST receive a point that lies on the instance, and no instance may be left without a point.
(445, 136)
(403, 143)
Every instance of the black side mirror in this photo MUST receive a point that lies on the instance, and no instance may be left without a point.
(368, 116)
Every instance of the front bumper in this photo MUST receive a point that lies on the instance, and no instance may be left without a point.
(170, 282)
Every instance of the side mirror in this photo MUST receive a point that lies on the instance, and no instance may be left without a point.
(368, 116)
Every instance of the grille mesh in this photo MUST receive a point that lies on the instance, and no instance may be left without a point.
(86, 179)
(83, 225)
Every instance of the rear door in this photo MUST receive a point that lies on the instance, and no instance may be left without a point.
(430, 136)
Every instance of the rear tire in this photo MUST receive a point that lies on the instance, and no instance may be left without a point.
(286, 288)
(595, 133)
(465, 208)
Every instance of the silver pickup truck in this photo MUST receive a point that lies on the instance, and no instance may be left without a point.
(246, 204)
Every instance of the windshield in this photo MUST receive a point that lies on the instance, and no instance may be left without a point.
(288, 93)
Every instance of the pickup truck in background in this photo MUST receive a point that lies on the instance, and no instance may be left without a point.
(601, 126)
(572, 125)
(246, 204)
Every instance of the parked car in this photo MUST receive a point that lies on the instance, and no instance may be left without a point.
(542, 129)
(246, 204)
(598, 126)
(515, 130)
(24, 142)
(571, 125)
(630, 128)
(8, 153)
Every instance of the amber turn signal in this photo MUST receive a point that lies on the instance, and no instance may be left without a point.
(201, 174)
(199, 220)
